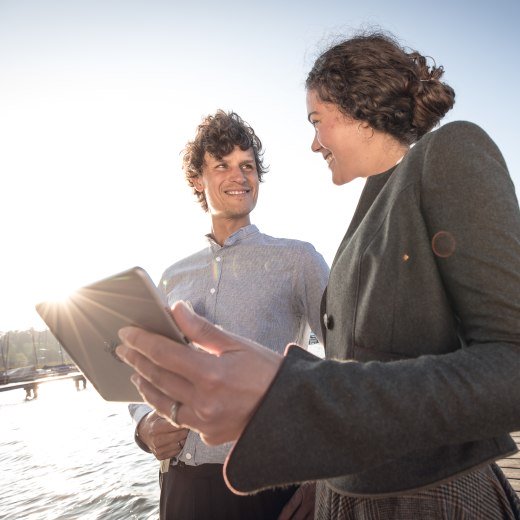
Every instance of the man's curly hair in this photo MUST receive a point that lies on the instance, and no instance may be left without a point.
(218, 135)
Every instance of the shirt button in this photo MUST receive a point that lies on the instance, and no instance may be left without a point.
(218, 259)
(212, 290)
(188, 456)
(328, 321)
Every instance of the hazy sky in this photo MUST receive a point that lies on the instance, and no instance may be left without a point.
(97, 99)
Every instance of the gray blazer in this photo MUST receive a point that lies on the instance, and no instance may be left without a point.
(424, 294)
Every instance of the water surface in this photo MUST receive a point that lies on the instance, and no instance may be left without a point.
(68, 455)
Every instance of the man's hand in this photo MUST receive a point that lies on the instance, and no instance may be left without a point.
(164, 439)
(301, 504)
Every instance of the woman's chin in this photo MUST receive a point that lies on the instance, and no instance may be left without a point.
(339, 180)
(340, 177)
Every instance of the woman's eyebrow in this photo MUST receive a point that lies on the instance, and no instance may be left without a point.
(311, 114)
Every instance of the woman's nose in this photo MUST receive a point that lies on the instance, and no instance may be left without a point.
(315, 145)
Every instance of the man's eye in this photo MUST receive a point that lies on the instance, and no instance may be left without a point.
(247, 166)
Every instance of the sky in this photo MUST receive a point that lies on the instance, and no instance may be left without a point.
(98, 98)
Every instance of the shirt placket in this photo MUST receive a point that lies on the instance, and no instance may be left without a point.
(216, 276)
(215, 273)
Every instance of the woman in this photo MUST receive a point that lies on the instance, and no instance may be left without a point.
(423, 302)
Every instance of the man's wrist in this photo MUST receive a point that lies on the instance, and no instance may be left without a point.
(140, 442)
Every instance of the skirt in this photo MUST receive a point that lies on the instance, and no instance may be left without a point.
(482, 494)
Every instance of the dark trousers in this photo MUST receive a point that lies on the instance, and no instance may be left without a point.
(200, 493)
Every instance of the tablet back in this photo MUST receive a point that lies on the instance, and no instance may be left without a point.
(87, 324)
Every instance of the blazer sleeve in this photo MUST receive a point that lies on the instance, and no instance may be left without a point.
(338, 417)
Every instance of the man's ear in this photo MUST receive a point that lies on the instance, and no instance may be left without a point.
(198, 184)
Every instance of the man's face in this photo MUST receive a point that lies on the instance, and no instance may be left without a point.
(230, 184)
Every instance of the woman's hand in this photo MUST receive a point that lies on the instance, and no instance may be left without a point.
(218, 385)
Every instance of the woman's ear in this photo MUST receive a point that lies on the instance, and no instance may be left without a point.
(365, 130)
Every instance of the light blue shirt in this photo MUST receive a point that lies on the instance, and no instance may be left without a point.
(264, 288)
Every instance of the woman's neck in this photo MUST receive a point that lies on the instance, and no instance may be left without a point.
(385, 152)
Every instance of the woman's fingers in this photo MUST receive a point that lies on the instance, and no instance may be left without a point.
(167, 382)
(204, 334)
(218, 385)
(189, 362)
(160, 388)
(212, 434)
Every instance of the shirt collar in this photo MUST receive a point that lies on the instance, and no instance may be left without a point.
(234, 238)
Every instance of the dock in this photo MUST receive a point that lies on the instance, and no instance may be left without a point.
(511, 465)
(31, 386)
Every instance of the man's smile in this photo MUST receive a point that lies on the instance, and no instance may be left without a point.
(237, 192)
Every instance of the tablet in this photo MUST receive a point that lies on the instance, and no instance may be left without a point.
(87, 322)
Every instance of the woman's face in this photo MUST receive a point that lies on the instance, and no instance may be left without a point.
(340, 139)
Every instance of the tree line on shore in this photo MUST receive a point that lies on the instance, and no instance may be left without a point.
(31, 348)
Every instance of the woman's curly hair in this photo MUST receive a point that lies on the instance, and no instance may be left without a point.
(218, 135)
(371, 78)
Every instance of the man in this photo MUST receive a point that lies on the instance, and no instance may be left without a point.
(267, 289)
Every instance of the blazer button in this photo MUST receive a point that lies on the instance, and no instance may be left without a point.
(328, 321)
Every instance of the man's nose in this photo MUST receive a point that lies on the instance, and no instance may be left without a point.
(237, 174)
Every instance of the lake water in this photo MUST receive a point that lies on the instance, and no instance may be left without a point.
(68, 455)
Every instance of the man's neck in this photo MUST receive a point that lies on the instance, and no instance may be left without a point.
(222, 229)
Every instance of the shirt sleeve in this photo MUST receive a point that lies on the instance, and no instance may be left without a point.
(311, 280)
(138, 412)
